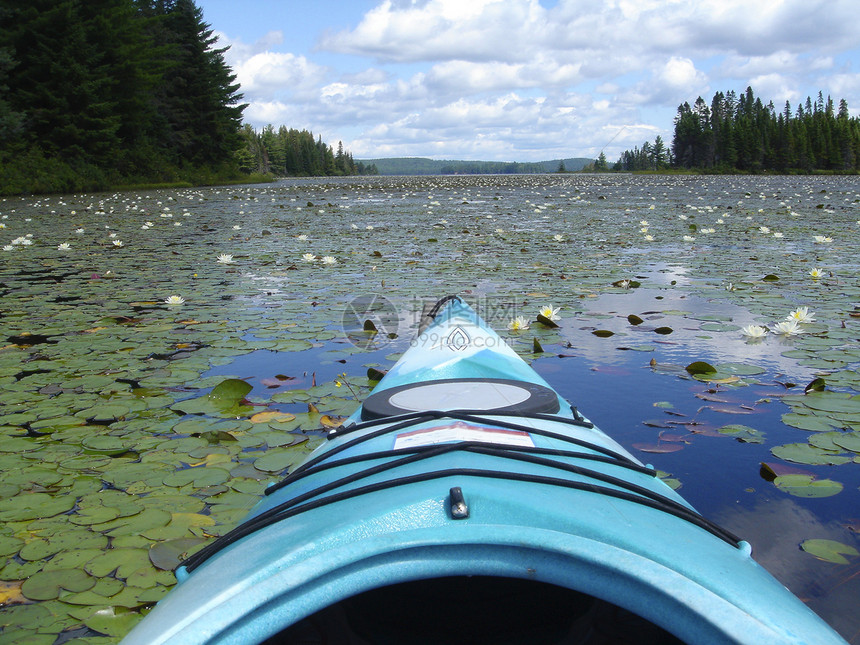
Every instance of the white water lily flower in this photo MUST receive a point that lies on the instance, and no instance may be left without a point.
(225, 258)
(79, 230)
(649, 238)
(816, 273)
(558, 238)
(547, 311)
(624, 284)
(174, 300)
(309, 257)
(754, 331)
(822, 239)
(236, 227)
(327, 259)
(764, 229)
(518, 324)
(689, 238)
(787, 327)
(117, 242)
(643, 222)
(8, 247)
(801, 315)
(302, 237)
(65, 246)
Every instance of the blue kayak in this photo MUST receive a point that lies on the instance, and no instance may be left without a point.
(466, 502)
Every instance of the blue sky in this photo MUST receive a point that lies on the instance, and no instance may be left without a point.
(523, 80)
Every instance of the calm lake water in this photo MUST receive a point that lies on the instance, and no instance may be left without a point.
(93, 360)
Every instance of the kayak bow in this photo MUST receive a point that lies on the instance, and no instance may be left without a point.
(465, 501)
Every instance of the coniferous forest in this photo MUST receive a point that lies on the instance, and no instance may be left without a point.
(105, 93)
(740, 133)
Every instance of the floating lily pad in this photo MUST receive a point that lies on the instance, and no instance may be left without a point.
(807, 486)
(276, 461)
(848, 441)
(198, 477)
(272, 416)
(169, 554)
(829, 550)
(47, 585)
(34, 506)
(803, 453)
(701, 367)
(119, 562)
(105, 445)
(742, 433)
(807, 422)
(225, 400)
(113, 621)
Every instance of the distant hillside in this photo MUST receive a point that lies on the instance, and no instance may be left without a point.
(422, 166)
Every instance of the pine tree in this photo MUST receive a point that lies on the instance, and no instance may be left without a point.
(200, 103)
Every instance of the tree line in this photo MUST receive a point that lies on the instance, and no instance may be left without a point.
(738, 132)
(293, 153)
(102, 93)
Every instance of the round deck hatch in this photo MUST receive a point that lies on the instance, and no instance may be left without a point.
(475, 394)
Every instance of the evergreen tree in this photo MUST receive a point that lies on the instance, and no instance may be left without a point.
(201, 103)
(11, 122)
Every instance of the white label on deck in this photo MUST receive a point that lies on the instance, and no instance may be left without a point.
(459, 431)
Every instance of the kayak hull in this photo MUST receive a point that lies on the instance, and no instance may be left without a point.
(428, 506)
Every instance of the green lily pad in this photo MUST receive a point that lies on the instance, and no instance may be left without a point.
(10, 545)
(807, 422)
(225, 400)
(169, 554)
(829, 550)
(803, 453)
(275, 461)
(105, 445)
(198, 477)
(134, 524)
(65, 538)
(34, 506)
(742, 433)
(47, 585)
(836, 402)
(848, 441)
(113, 621)
(120, 562)
(807, 486)
(700, 367)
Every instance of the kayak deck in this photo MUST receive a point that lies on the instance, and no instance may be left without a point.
(420, 521)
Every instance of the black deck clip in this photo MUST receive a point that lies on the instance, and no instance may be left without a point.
(458, 506)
